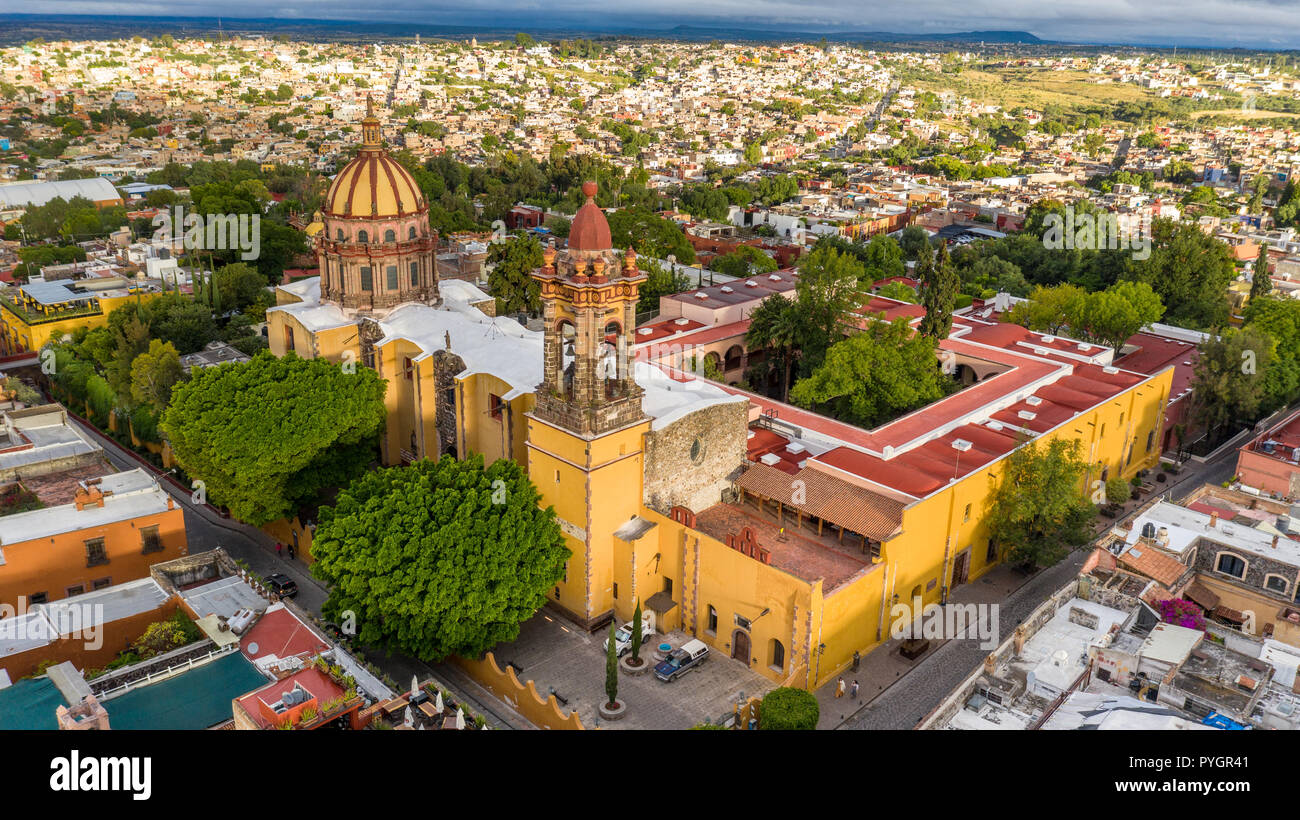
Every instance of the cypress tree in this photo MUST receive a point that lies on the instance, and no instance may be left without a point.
(611, 669)
(939, 286)
(636, 631)
(1261, 284)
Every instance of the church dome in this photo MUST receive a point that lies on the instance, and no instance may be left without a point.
(589, 230)
(373, 184)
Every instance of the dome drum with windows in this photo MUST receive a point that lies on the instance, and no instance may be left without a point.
(376, 250)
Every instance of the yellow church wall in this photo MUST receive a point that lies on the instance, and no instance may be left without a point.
(503, 434)
(593, 493)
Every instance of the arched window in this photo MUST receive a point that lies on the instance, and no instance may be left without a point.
(363, 237)
(411, 233)
(390, 235)
(339, 234)
(712, 625)
(1276, 583)
(778, 655)
(1231, 565)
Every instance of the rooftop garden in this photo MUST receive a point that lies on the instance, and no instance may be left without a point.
(15, 498)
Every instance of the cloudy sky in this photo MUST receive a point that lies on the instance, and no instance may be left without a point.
(1258, 23)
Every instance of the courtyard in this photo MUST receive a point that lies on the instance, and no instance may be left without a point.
(561, 657)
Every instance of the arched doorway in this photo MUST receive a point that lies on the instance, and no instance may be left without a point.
(740, 646)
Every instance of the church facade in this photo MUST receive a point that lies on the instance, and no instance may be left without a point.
(782, 538)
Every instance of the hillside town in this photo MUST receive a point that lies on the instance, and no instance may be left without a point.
(662, 356)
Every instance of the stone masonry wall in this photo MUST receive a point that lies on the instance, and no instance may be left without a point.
(672, 478)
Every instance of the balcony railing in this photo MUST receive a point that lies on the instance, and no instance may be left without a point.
(31, 317)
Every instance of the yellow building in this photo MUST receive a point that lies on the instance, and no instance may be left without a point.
(780, 537)
(41, 312)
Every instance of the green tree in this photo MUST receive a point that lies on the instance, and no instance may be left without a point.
(787, 709)
(776, 326)
(267, 435)
(1261, 284)
(153, 375)
(637, 637)
(897, 290)
(1113, 315)
(611, 670)
(1048, 310)
(659, 282)
(745, 260)
(1231, 382)
(1279, 319)
(1118, 490)
(1038, 511)
(828, 291)
(873, 376)
(240, 285)
(1190, 271)
(938, 291)
(650, 234)
(439, 558)
(913, 241)
(510, 280)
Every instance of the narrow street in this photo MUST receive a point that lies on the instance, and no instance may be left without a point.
(206, 529)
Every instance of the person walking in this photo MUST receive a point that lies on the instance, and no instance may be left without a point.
(279, 549)
(853, 691)
(839, 688)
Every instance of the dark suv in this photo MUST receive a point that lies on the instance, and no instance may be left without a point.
(282, 585)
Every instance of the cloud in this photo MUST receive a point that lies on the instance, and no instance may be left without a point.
(1265, 23)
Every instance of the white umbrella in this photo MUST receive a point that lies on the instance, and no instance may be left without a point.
(437, 703)
(415, 686)
(460, 718)
(410, 716)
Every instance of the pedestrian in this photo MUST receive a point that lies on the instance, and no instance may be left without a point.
(278, 549)
(857, 659)
(839, 688)
(853, 691)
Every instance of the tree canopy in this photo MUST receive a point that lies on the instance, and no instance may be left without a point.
(439, 558)
(874, 376)
(267, 435)
(510, 280)
(1038, 510)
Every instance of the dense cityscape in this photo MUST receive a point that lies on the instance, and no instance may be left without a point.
(508, 383)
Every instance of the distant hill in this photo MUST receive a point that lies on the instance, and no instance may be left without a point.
(721, 33)
(20, 28)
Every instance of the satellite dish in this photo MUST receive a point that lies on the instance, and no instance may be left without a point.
(252, 648)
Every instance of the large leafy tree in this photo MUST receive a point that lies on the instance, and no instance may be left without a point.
(1038, 510)
(1231, 381)
(510, 279)
(439, 558)
(649, 234)
(1113, 315)
(828, 292)
(153, 375)
(787, 708)
(659, 281)
(1190, 271)
(874, 376)
(267, 435)
(1280, 320)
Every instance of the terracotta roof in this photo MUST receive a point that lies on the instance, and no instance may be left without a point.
(1202, 596)
(1154, 564)
(589, 230)
(839, 502)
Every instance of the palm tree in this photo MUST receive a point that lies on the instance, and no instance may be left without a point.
(776, 325)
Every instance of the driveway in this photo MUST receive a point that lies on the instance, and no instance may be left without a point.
(557, 654)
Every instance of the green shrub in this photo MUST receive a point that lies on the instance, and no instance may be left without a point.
(788, 708)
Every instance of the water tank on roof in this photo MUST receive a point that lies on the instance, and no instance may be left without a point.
(1148, 530)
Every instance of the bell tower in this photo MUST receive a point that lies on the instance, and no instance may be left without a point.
(589, 296)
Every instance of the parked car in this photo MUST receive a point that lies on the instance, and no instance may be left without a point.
(282, 585)
(623, 638)
(690, 656)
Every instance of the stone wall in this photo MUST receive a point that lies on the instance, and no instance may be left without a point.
(446, 366)
(674, 478)
(1258, 567)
